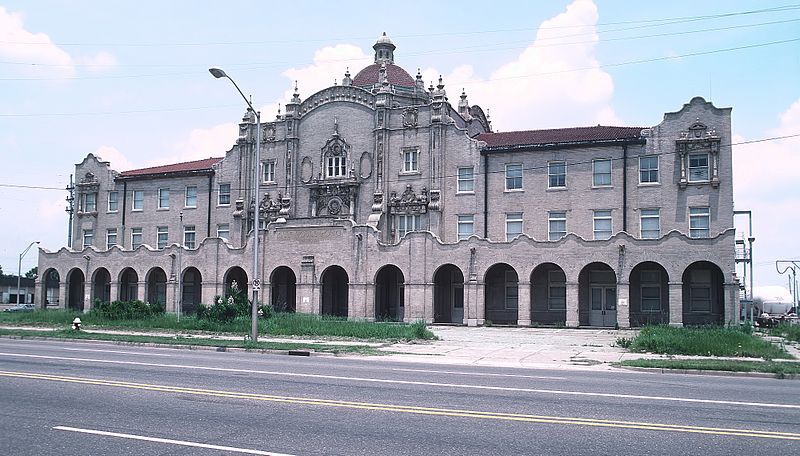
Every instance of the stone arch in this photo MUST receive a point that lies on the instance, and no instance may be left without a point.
(51, 287)
(191, 290)
(548, 294)
(128, 285)
(501, 294)
(156, 281)
(448, 294)
(389, 294)
(335, 291)
(76, 285)
(703, 294)
(283, 287)
(238, 275)
(597, 295)
(649, 294)
(101, 285)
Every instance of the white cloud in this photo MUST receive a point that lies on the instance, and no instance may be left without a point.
(203, 143)
(102, 61)
(116, 159)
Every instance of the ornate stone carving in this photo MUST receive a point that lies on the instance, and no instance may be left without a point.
(408, 202)
(434, 203)
(410, 118)
(307, 170)
(333, 199)
(239, 211)
(698, 138)
(377, 202)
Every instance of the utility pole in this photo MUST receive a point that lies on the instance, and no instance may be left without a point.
(70, 209)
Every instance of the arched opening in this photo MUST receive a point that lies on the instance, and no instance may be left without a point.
(448, 295)
(597, 295)
(335, 285)
(548, 295)
(501, 295)
(649, 294)
(101, 285)
(283, 285)
(703, 295)
(157, 286)
(389, 294)
(128, 285)
(236, 274)
(76, 283)
(191, 290)
(52, 283)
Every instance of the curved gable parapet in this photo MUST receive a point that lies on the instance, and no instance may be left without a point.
(349, 94)
(696, 102)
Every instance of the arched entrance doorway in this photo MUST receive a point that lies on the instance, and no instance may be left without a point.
(236, 274)
(128, 285)
(52, 283)
(101, 285)
(75, 289)
(597, 295)
(703, 294)
(157, 286)
(649, 293)
(448, 295)
(191, 290)
(335, 287)
(548, 295)
(389, 294)
(283, 285)
(502, 294)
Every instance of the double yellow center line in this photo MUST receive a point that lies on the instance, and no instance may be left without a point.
(475, 414)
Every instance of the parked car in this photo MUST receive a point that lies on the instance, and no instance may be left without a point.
(21, 308)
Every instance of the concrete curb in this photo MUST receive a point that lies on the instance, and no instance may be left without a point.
(660, 370)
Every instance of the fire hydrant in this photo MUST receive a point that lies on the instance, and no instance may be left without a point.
(76, 324)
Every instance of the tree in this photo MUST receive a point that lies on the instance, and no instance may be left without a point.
(1, 271)
(32, 273)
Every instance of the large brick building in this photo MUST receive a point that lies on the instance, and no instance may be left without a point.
(382, 200)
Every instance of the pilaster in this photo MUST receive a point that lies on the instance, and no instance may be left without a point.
(573, 317)
(675, 304)
(524, 304)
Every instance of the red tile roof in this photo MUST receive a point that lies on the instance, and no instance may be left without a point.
(185, 167)
(560, 136)
(394, 74)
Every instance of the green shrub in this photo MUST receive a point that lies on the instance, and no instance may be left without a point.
(126, 310)
(226, 308)
(704, 341)
(624, 342)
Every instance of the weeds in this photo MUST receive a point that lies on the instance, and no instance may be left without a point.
(704, 341)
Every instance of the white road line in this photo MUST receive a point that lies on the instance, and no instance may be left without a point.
(480, 374)
(170, 441)
(411, 382)
(116, 351)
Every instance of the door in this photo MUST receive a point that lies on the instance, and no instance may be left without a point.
(603, 306)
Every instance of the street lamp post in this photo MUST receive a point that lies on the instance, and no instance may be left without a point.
(19, 267)
(217, 73)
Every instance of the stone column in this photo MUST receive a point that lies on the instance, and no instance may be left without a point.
(573, 315)
(471, 303)
(414, 303)
(62, 294)
(306, 288)
(480, 303)
(171, 295)
(141, 291)
(731, 309)
(208, 290)
(524, 304)
(357, 297)
(676, 304)
(623, 305)
(113, 292)
(39, 294)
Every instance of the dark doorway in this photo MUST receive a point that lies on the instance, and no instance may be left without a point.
(389, 294)
(448, 295)
(502, 294)
(283, 285)
(335, 287)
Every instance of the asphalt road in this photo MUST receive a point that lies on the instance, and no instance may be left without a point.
(98, 399)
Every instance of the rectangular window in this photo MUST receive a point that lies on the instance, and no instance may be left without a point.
(224, 198)
(111, 237)
(699, 222)
(602, 224)
(466, 226)
(466, 180)
(557, 175)
(113, 201)
(513, 225)
(88, 202)
(189, 237)
(514, 176)
(410, 160)
(190, 198)
(269, 170)
(651, 291)
(650, 224)
(407, 223)
(557, 225)
(601, 172)
(700, 291)
(136, 237)
(138, 200)
(162, 236)
(556, 290)
(163, 198)
(224, 231)
(698, 167)
(88, 238)
(337, 166)
(648, 169)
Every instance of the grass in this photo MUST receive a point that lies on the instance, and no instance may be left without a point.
(779, 369)
(702, 341)
(787, 331)
(315, 325)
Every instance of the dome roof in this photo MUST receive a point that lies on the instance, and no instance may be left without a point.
(394, 74)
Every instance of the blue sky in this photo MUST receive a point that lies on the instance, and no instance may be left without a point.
(128, 81)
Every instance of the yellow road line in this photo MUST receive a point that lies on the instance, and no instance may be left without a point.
(415, 409)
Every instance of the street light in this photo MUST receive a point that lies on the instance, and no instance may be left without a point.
(217, 73)
(19, 267)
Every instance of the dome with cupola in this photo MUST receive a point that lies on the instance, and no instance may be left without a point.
(384, 58)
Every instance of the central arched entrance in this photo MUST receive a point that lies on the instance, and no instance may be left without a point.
(335, 287)
(192, 290)
(101, 285)
(597, 295)
(76, 282)
(283, 285)
(157, 286)
(128, 285)
(502, 294)
(389, 294)
(448, 295)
